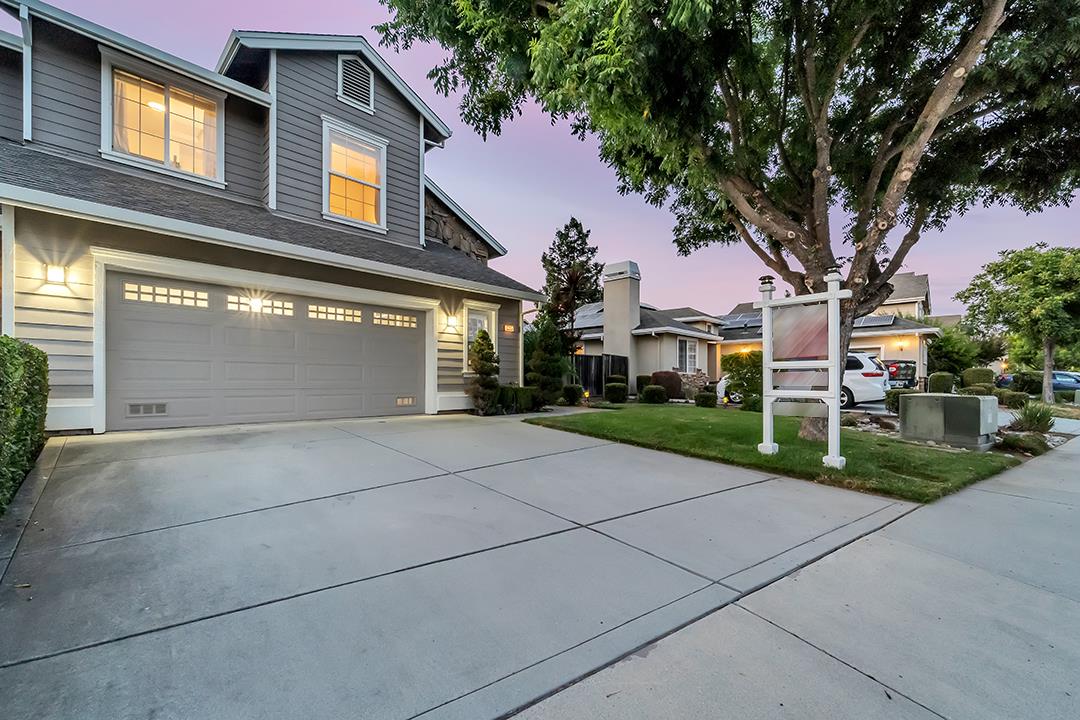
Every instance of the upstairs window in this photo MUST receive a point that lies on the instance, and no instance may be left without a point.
(153, 122)
(355, 176)
(356, 83)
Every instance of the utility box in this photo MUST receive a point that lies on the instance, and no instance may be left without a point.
(967, 421)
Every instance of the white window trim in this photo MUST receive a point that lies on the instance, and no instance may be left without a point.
(492, 311)
(370, 107)
(688, 368)
(329, 124)
(111, 60)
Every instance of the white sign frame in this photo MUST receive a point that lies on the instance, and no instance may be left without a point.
(834, 365)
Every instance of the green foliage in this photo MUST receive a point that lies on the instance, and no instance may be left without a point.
(751, 403)
(941, 382)
(980, 390)
(515, 399)
(1033, 293)
(892, 398)
(547, 364)
(641, 381)
(483, 385)
(705, 399)
(848, 420)
(572, 394)
(1015, 400)
(1028, 443)
(616, 392)
(24, 395)
(1034, 417)
(951, 352)
(671, 381)
(1064, 396)
(1025, 353)
(1027, 381)
(989, 349)
(744, 373)
(572, 279)
(616, 379)
(653, 395)
(977, 376)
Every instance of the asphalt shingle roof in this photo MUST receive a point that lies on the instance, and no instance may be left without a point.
(44, 171)
(871, 323)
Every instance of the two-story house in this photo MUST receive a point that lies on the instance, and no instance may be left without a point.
(251, 243)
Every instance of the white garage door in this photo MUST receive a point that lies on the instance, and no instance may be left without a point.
(180, 354)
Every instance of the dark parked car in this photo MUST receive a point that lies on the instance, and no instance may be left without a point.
(902, 373)
(1004, 380)
(1066, 381)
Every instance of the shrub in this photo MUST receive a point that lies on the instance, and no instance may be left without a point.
(616, 379)
(642, 381)
(977, 376)
(1030, 443)
(24, 395)
(892, 398)
(653, 395)
(975, 390)
(671, 381)
(744, 373)
(616, 392)
(547, 365)
(1015, 400)
(849, 420)
(515, 399)
(705, 399)
(999, 393)
(941, 382)
(751, 403)
(1064, 396)
(1034, 417)
(1027, 381)
(572, 394)
(483, 385)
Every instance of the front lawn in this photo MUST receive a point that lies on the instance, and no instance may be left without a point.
(874, 464)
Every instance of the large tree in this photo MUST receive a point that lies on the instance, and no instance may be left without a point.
(762, 121)
(1033, 293)
(572, 278)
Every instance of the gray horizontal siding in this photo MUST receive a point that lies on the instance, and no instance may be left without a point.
(509, 314)
(10, 95)
(307, 89)
(245, 144)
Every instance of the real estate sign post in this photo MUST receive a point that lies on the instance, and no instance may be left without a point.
(801, 363)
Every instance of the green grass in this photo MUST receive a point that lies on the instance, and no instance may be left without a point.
(874, 464)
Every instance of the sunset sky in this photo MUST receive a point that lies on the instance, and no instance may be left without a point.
(525, 184)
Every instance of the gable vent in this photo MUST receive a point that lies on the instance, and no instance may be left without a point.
(356, 82)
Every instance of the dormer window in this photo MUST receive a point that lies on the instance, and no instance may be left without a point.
(354, 176)
(356, 83)
(151, 121)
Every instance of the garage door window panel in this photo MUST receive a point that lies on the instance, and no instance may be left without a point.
(336, 314)
(256, 305)
(164, 295)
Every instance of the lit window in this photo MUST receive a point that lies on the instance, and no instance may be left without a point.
(355, 179)
(326, 312)
(406, 401)
(687, 351)
(239, 303)
(166, 295)
(164, 124)
(393, 320)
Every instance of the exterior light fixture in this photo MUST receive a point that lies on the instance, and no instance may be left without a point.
(451, 322)
(256, 304)
(508, 327)
(586, 394)
(56, 274)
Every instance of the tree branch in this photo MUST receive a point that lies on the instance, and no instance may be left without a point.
(777, 264)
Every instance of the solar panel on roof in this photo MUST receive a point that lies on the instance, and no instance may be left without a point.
(874, 321)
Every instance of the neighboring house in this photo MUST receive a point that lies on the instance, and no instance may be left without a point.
(680, 339)
(892, 332)
(256, 242)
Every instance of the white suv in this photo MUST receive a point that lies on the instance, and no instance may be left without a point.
(865, 380)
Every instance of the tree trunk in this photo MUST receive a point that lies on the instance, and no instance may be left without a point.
(817, 428)
(1048, 371)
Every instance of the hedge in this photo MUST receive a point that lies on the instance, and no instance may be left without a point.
(1014, 400)
(24, 394)
(515, 399)
(671, 381)
(705, 399)
(892, 398)
(653, 395)
(1027, 381)
(616, 379)
(616, 392)
(572, 394)
(642, 381)
(975, 390)
(941, 382)
(1064, 396)
(977, 376)
(751, 403)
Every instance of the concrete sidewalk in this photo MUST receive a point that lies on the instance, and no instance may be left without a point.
(968, 608)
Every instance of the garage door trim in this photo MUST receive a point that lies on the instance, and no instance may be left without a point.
(106, 259)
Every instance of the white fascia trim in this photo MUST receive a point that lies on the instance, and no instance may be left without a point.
(106, 259)
(10, 41)
(140, 50)
(327, 43)
(86, 210)
(699, 318)
(7, 270)
(676, 331)
(27, 42)
(593, 336)
(271, 174)
(460, 212)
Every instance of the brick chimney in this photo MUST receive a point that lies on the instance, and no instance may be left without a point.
(622, 310)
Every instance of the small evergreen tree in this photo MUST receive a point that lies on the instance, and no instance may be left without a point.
(483, 386)
(547, 364)
(571, 279)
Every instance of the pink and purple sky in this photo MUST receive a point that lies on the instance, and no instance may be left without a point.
(526, 183)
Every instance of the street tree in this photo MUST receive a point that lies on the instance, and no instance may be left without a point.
(818, 133)
(572, 278)
(1034, 293)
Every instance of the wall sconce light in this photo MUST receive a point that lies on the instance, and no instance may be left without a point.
(452, 323)
(508, 327)
(900, 346)
(56, 274)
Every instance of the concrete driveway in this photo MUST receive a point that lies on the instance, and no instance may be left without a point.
(453, 567)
